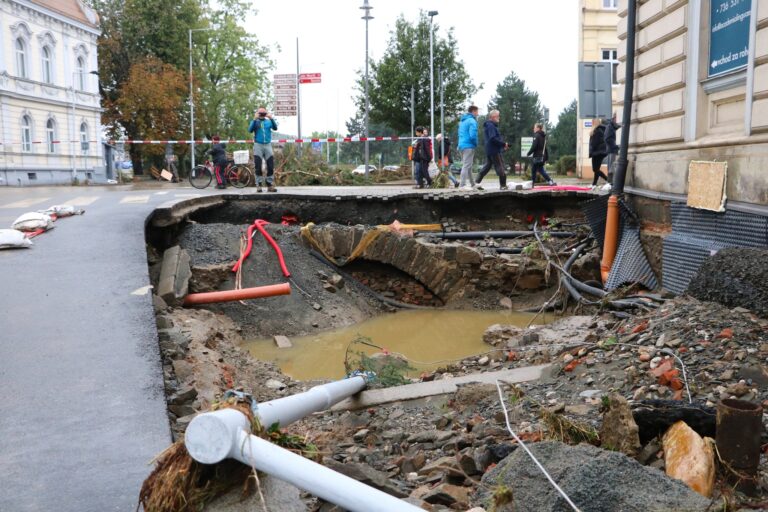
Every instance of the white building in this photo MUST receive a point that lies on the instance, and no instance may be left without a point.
(49, 96)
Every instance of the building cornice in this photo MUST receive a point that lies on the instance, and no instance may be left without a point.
(26, 4)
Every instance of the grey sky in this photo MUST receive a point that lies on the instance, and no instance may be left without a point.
(536, 39)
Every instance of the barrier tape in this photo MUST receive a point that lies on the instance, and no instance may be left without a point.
(392, 138)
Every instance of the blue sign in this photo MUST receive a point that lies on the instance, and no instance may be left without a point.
(728, 35)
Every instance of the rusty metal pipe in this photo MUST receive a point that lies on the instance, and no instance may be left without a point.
(739, 427)
(242, 294)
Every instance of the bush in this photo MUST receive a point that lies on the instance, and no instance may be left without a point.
(567, 163)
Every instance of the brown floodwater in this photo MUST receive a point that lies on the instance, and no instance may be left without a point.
(428, 338)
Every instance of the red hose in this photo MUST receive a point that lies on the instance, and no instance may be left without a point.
(247, 250)
(259, 223)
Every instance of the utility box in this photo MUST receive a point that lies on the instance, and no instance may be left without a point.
(595, 90)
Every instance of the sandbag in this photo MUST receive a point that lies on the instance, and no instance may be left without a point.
(62, 210)
(33, 221)
(690, 458)
(13, 239)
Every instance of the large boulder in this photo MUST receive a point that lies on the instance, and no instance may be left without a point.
(594, 479)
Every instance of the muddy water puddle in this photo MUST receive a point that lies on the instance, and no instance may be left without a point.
(428, 338)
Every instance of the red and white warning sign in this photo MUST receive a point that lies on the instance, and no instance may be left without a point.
(309, 78)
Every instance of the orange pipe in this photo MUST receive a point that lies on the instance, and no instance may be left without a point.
(611, 242)
(242, 294)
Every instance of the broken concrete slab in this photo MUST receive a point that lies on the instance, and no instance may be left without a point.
(282, 341)
(439, 387)
(174, 276)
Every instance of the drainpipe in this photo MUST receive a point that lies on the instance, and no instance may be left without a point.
(214, 436)
(611, 242)
(258, 292)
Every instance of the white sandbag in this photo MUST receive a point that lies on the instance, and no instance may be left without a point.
(433, 170)
(13, 239)
(33, 221)
(62, 210)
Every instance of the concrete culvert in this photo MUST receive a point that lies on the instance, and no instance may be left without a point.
(735, 278)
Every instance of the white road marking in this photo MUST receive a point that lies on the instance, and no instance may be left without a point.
(187, 195)
(26, 203)
(82, 201)
(160, 193)
(134, 200)
(142, 291)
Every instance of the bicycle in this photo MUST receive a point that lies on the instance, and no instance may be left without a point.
(237, 175)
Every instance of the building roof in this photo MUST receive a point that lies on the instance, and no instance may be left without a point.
(74, 9)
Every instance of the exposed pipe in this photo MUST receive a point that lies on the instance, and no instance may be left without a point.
(739, 428)
(258, 292)
(215, 436)
(479, 235)
(610, 245)
(259, 223)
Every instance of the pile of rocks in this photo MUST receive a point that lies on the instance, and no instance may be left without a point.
(403, 289)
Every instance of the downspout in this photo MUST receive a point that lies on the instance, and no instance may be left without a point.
(611, 242)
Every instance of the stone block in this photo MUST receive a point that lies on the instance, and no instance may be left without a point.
(282, 342)
(175, 272)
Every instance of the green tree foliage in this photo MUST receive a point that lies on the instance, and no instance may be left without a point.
(520, 109)
(563, 137)
(380, 153)
(405, 64)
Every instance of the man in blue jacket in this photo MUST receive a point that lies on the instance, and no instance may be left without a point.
(467, 145)
(494, 145)
(262, 127)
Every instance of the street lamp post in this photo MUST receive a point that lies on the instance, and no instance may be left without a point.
(367, 17)
(191, 102)
(432, 15)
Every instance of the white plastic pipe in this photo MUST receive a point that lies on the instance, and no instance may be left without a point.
(293, 408)
(215, 436)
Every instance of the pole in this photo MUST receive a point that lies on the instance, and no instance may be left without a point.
(413, 120)
(298, 95)
(191, 104)
(367, 101)
(74, 129)
(431, 84)
(442, 121)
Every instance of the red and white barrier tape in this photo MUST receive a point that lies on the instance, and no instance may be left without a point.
(205, 141)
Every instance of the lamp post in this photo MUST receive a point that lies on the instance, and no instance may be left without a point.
(74, 133)
(432, 15)
(191, 102)
(367, 17)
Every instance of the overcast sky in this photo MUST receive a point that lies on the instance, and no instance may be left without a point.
(536, 39)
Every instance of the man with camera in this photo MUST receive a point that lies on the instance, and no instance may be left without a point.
(262, 127)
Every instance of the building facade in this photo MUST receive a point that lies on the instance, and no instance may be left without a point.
(49, 97)
(598, 41)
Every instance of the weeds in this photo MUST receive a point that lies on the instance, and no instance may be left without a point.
(389, 369)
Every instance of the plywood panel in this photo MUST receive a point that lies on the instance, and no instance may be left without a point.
(706, 185)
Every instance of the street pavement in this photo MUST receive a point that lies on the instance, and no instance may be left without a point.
(81, 385)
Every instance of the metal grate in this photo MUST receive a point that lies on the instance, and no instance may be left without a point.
(595, 211)
(631, 264)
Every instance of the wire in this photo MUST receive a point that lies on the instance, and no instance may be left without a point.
(533, 458)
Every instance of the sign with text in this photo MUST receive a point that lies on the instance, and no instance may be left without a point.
(729, 23)
(525, 145)
(285, 76)
(286, 111)
(285, 87)
(309, 78)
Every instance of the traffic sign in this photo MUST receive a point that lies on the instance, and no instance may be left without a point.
(289, 103)
(285, 87)
(286, 112)
(285, 82)
(291, 76)
(309, 78)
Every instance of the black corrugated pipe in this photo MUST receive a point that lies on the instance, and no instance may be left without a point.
(479, 235)
(629, 90)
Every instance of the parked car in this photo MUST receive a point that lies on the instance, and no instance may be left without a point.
(360, 169)
(391, 168)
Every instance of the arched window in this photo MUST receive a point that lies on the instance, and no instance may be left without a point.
(84, 138)
(21, 58)
(26, 134)
(47, 65)
(50, 135)
(80, 74)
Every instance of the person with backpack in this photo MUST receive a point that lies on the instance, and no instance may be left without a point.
(422, 156)
(540, 155)
(467, 145)
(597, 150)
(494, 145)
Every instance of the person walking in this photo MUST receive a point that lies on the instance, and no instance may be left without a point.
(262, 127)
(494, 145)
(443, 151)
(540, 155)
(218, 154)
(611, 126)
(597, 150)
(467, 145)
(422, 156)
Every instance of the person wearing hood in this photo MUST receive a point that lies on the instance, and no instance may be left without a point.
(597, 150)
(540, 154)
(494, 145)
(467, 145)
(611, 148)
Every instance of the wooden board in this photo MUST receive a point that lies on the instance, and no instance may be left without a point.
(706, 185)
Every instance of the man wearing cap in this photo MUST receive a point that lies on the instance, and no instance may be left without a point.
(262, 127)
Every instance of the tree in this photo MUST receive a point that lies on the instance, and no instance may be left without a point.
(563, 137)
(405, 64)
(382, 152)
(520, 109)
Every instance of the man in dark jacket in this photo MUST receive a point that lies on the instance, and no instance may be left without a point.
(540, 154)
(597, 150)
(494, 145)
(422, 156)
(611, 148)
(218, 154)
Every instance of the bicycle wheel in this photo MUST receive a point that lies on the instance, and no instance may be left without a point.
(239, 176)
(200, 176)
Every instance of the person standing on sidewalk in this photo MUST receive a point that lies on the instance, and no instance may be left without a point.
(611, 147)
(597, 150)
(467, 145)
(540, 154)
(262, 127)
(494, 145)
(422, 156)
(443, 148)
